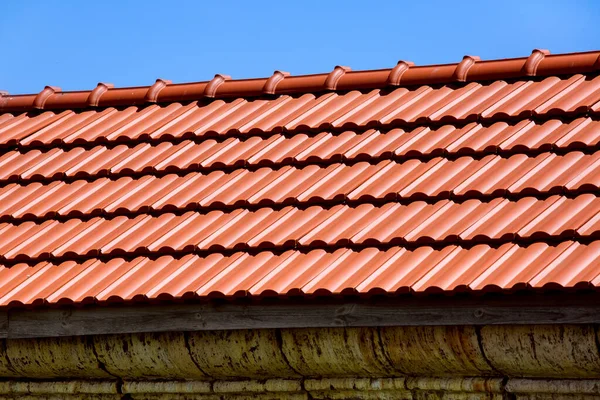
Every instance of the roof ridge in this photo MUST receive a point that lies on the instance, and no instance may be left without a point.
(471, 68)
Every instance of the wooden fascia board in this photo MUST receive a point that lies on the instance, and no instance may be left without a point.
(98, 320)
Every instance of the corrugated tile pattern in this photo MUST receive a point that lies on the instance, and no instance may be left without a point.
(426, 105)
(469, 186)
(317, 272)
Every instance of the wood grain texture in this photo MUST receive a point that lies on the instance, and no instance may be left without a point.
(199, 317)
(3, 324)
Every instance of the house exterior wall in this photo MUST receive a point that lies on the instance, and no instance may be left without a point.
(535, 361)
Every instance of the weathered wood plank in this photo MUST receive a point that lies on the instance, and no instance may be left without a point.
(3, 324)
(192, 317)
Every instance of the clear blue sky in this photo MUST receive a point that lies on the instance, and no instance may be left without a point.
(75, 44)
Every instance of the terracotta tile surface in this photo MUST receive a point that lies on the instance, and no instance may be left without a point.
(467, 177)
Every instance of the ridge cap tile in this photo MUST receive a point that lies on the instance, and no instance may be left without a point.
(539, 63)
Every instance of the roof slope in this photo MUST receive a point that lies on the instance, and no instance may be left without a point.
(468, 176)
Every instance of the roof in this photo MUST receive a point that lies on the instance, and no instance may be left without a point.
(475, 176)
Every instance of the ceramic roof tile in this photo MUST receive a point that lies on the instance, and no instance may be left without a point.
(464, 177)
(419, 184)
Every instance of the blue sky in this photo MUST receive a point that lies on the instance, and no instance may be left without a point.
(75, 44)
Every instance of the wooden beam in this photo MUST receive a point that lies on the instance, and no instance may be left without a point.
(97, 320)
(3, 325)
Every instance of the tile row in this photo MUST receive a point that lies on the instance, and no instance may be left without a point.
(299, 149)
(425, 104)
(317, 272)
(459, 179)
(417, 223)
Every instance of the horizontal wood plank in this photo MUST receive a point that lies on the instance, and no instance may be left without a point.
(193, 317)
(3, 324)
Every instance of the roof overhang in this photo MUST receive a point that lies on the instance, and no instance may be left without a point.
(530, 345)
(501, 308)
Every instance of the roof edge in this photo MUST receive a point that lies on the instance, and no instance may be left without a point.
(405, 73)
(493, 309)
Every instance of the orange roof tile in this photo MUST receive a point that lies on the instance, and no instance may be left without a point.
(471, 176)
